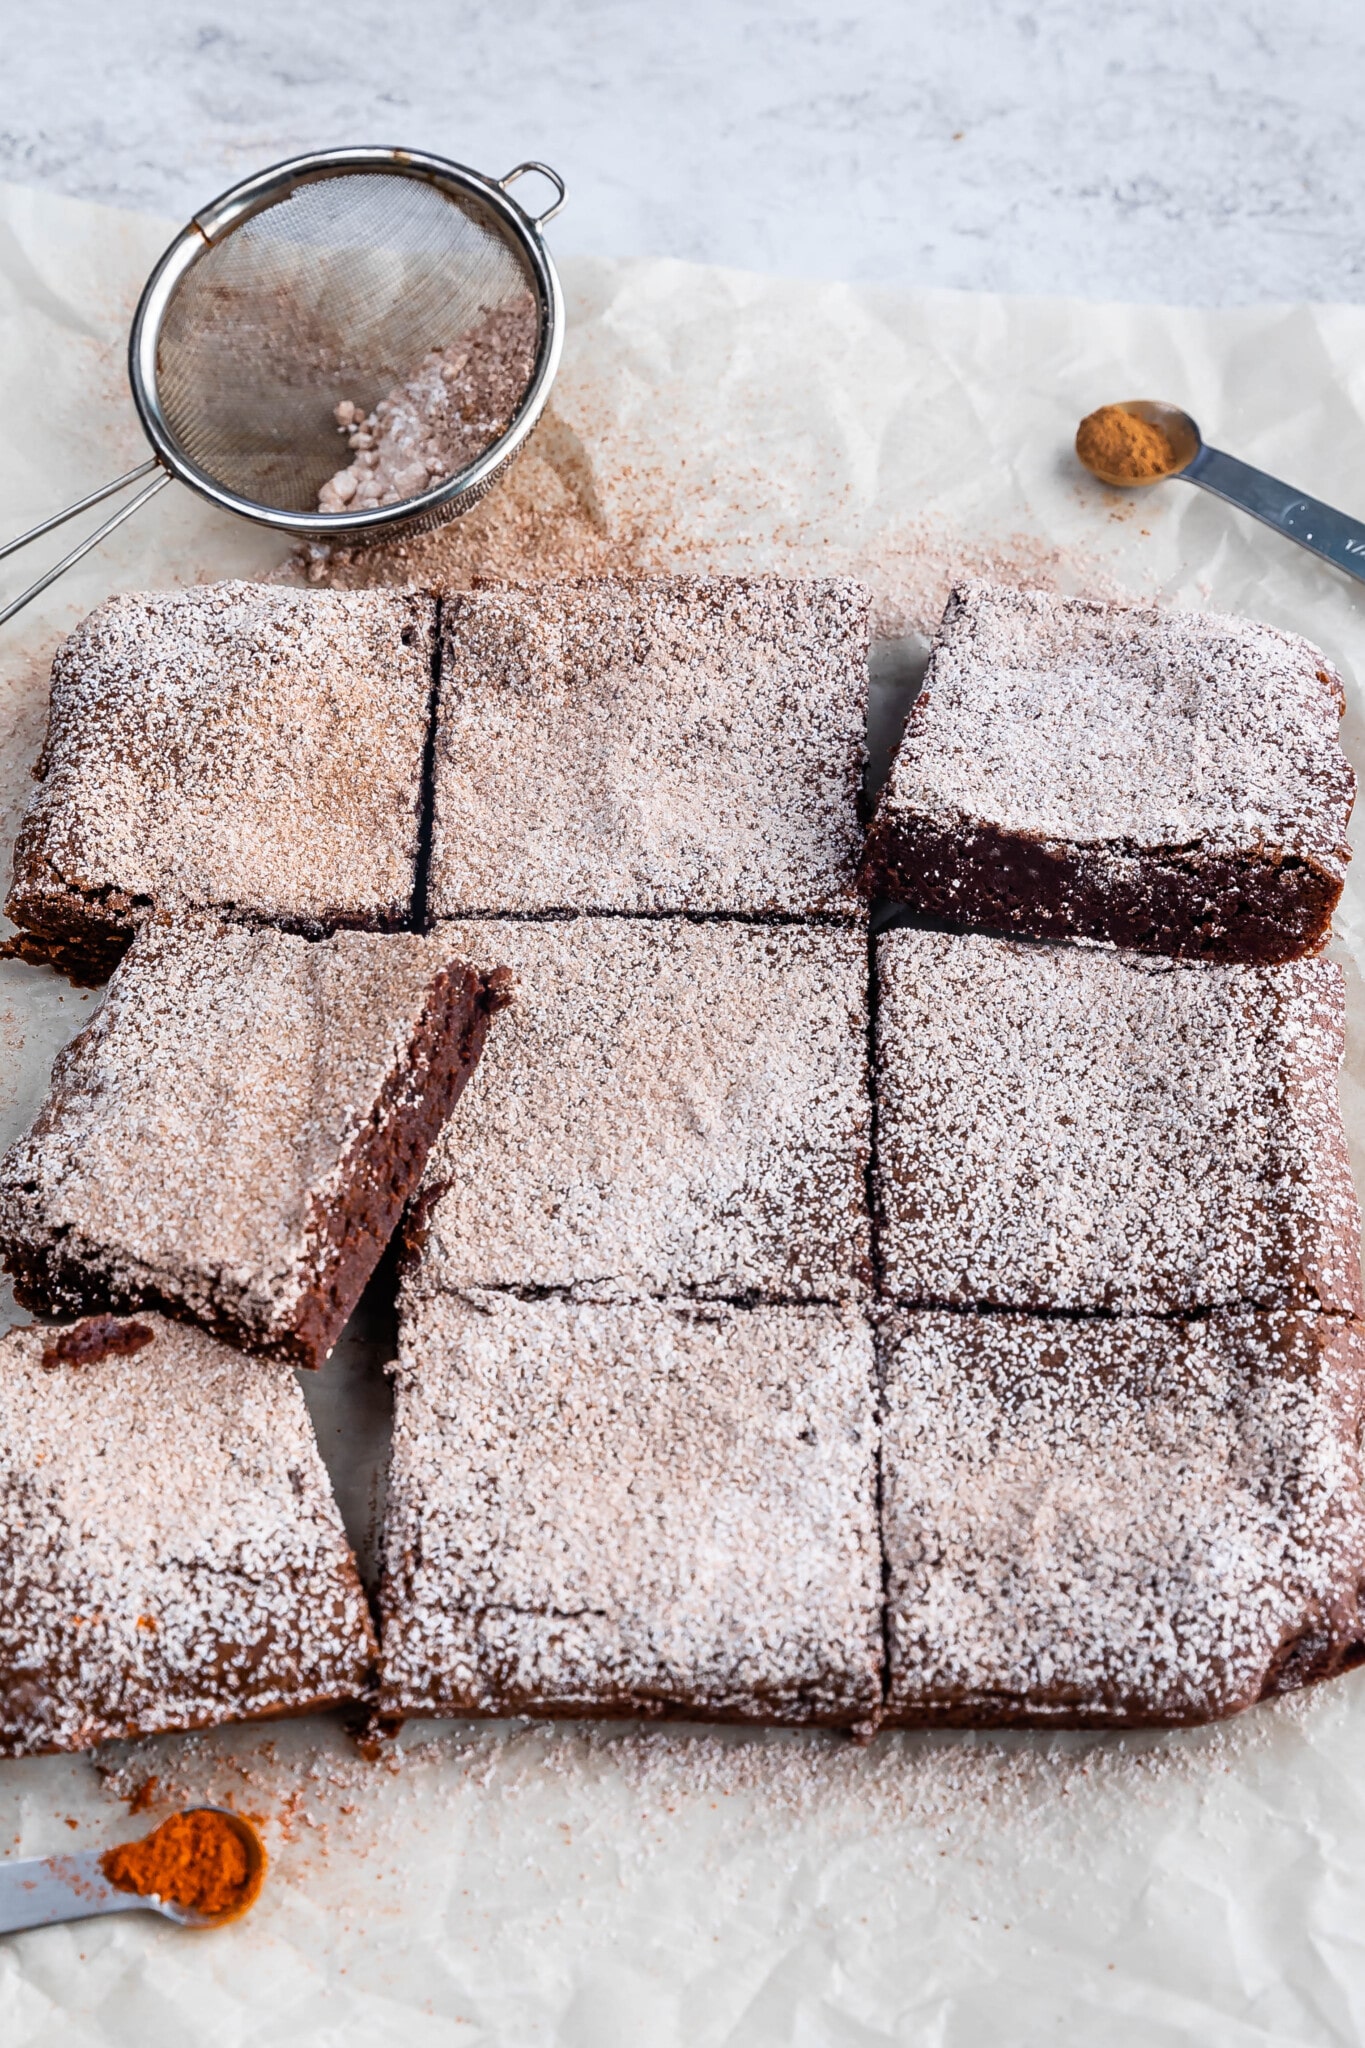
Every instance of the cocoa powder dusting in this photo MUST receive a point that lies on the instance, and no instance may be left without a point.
(568, 507)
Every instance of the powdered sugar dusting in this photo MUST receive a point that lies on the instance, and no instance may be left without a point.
(457, 402)
(618, 1508)
(1083, 722)
(172, 1552)
(1061, 1127)
(666, 1108)
(663, 744)
(1119, 1518)
(237, 746)
(198, 1127)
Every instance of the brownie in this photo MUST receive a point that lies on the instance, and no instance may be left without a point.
(1171, 782)
(172, 1554)
(1118, 1520)
(668, 1108)
(233, 1135)
(1061, 1127)
(631, 1508)
(236, 746)
(656, 744)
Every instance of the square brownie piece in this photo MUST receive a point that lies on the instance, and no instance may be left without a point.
(233, 1135)
(631, 1508)
(238, 746)
(661, 744)
(172, 1554)
(668, 1108)
(1117, 1519)
(1068, 1128)
(1164, 780)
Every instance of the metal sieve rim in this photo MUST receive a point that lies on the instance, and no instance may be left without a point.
(229, 211)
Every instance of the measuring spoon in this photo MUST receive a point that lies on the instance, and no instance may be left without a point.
(39, 1891)
(1315, 526)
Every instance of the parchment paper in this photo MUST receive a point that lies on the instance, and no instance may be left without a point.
(624, 1887)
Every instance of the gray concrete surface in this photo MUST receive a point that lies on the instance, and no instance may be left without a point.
(1196, 152)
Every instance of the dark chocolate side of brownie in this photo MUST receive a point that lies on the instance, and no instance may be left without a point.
(386, 1163)
(755, 1710)
(384, 1167)
(1331, 1645)
(239, 1669)
(83, 934)
(1174, 900)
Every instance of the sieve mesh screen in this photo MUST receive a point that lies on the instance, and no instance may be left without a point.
(338, 291)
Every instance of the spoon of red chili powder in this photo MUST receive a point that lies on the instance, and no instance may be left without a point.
(208, 1861)
(200, 1868)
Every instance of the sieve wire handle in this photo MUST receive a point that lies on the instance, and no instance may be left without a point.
(98, 497)
(537, 220)
(93, 540)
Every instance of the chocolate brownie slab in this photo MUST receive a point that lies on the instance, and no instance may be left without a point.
(668, 1108)
(686, 743)
(172, 1554)
(1119, 1520)
(238, 746)
(1172, 782)
(233, 1135)
(641, 1508)
(1067, 1128)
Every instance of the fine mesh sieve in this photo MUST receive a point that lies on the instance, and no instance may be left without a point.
(365, 278)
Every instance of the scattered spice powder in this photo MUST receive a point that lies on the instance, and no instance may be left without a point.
(197, 1860)
(1120, 445)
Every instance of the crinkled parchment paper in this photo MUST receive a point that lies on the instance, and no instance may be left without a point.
(602, 1887)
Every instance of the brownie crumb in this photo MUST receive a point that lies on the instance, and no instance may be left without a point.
(96, 1338)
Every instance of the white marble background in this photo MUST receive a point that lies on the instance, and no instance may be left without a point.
(1202, 151)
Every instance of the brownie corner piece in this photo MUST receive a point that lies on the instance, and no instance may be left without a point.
(631, 1508)
(238, 746)
(651, 744)
(1170, 782)
(173, 1554)
(1119, 1521)
(1069, 1128)
(233, 1135)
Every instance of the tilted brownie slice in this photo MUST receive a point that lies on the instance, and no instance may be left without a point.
(1065, 1128)
(173, 1556)
(1119, 1520)
(642, 1508)
(234, 1133)
(238, 746)
(1169, 781)
(651, 744)
(668, 1108)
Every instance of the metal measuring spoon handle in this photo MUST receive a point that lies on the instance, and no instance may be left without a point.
(1320, 528)
(41, 1891)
